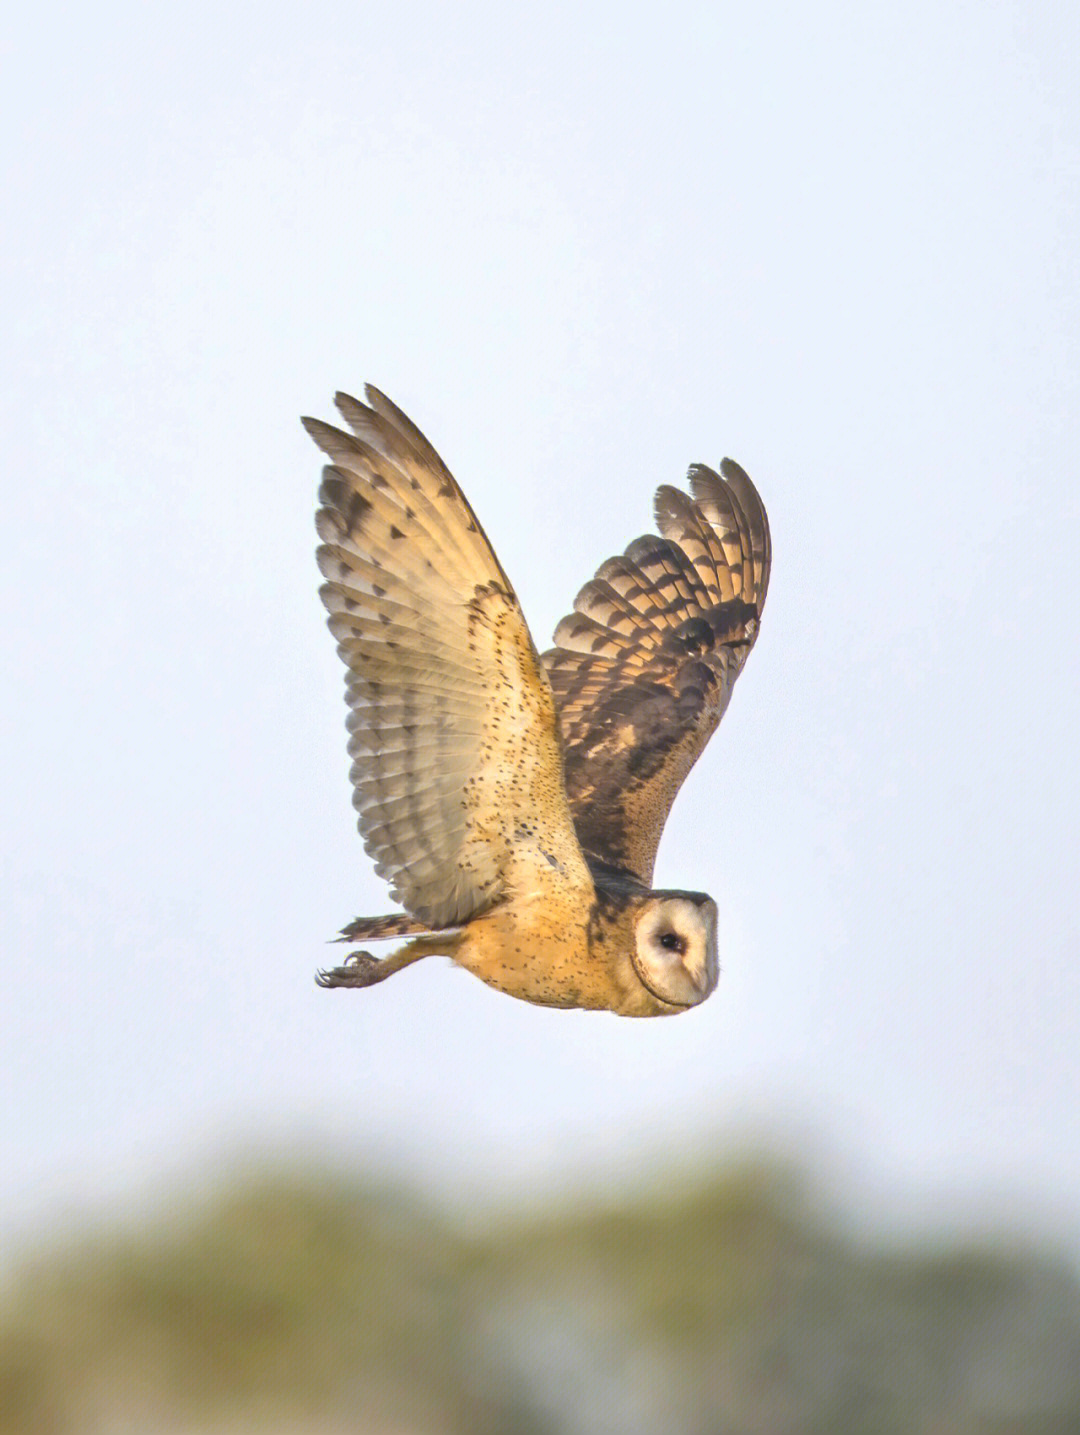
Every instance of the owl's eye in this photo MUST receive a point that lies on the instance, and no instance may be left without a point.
(673, 942)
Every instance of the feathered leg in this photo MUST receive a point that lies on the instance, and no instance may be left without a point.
(361, 969)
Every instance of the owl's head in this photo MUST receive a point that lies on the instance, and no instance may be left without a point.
(675, 953)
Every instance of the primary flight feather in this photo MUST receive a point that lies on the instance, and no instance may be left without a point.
(515, 802)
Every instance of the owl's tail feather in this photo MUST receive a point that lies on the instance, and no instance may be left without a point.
(378, 929)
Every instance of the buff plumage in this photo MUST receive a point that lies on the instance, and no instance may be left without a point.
(515, 803)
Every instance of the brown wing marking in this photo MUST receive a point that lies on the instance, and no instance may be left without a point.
(643, 669)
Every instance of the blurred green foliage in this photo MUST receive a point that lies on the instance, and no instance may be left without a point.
(717, 1306)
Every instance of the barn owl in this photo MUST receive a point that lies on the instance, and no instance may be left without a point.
(513, 800)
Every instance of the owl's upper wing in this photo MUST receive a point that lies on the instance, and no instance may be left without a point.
(643, 668)
(457, 769)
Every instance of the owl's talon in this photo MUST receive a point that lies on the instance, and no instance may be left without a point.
(360, 969)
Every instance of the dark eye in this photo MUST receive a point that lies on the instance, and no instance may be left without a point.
(673, 942)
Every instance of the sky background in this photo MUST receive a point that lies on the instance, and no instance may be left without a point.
(582, 246)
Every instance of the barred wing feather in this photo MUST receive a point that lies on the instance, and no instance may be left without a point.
(643, 668)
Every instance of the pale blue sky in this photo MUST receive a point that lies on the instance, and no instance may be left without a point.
(582, 247)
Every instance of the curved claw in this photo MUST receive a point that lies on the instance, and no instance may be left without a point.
(360, 969)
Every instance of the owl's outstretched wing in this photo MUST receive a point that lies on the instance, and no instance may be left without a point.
(457, 769)
(643, 668)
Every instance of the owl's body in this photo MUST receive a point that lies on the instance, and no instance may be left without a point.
(516, 802)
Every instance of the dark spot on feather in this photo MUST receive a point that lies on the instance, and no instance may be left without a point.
(355, 511)
(612, 881)
(695, 635)
(379, 592)
(446, 490)
(396, 532)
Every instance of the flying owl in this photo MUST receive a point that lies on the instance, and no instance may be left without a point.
(514, 800)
